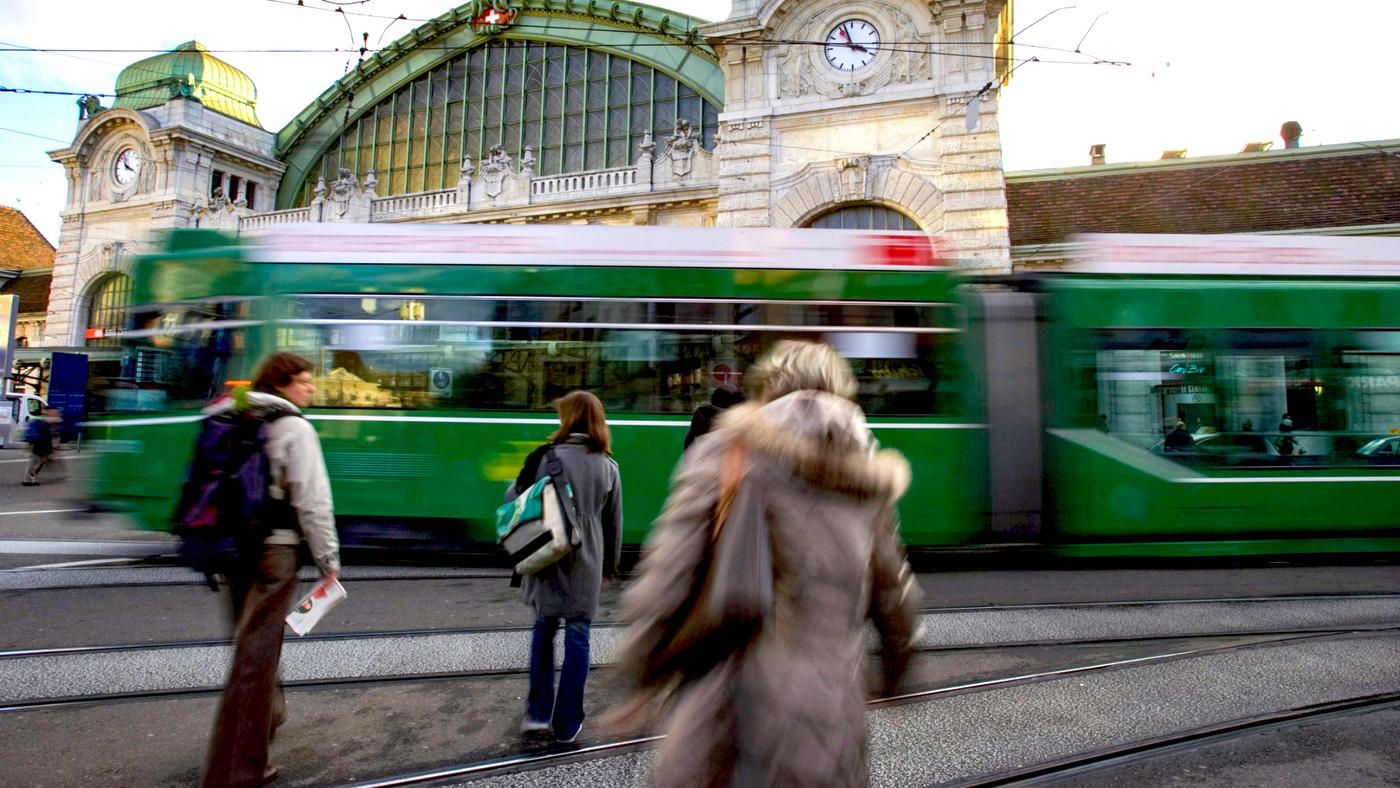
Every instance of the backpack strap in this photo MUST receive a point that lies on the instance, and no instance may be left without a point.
(555, 468)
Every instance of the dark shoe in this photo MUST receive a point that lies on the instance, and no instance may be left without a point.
(270, 773)
(569, 738)
(30, 484)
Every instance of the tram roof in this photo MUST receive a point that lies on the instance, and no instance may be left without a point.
(599, 246)
(1257, 256)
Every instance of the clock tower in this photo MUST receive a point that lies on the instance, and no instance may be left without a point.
(881, 113)
(179, 147)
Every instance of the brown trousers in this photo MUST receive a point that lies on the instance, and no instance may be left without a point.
(253, 705)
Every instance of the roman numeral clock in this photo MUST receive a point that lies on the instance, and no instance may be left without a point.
(852, 45)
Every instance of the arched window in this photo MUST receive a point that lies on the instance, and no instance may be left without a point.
(864, 217)
(576, 108)
(106, 313)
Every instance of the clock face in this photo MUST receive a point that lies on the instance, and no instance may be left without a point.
(126, 167)
(852, 45)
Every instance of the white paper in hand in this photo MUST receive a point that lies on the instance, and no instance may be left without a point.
(326, 594)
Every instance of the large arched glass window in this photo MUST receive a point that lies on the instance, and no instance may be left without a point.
(864, 217)
(106, 313)
(577, 108)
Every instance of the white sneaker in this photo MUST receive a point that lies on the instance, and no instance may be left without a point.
(529, 725)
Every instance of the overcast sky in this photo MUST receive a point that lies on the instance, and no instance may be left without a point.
(1207, 76)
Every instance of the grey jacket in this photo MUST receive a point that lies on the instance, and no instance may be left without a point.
(569, 589)
(790, 708)
(299, 476)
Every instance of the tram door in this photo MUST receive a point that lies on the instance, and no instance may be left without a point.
(1193, 404)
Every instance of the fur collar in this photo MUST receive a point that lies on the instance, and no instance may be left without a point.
(824, 439)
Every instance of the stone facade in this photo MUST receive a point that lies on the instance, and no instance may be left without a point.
(797, 138)
(800, 137)
(179, 147)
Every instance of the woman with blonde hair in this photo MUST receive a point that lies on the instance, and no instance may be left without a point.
(569, 589)
(784, 704)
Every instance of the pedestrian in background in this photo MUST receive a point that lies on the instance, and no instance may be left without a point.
(42, 434)
(787, 707)
(253, 705)
(568, 590)
(722, 398)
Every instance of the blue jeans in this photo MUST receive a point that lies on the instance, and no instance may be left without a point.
(563, 709)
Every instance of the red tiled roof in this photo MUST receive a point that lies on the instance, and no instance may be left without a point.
(1276, 190)
(21, 244)
(32, 289)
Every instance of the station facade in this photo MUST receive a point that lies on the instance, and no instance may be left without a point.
(562, 111)
(790, 113)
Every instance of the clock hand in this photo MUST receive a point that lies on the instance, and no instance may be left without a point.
(849, 42)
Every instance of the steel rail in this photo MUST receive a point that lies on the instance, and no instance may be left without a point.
(1146, 749)
(395, 633)
(568, 753)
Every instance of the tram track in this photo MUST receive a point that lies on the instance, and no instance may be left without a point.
(564, 754)
(1153, 747)
(613, 624)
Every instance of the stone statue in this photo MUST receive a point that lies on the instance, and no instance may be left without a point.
(495, 169)
(680, 146)
(89, 106)
(342, 191)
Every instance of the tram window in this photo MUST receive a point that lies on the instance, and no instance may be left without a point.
(657, 356)
(1314, 397)
(180, 355)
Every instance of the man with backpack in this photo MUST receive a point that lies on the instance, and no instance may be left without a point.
(258, 439)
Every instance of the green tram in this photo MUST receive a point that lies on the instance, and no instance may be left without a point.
(1034, 410)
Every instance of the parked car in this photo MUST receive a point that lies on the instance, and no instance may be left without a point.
(16, 412)
(1381, 451)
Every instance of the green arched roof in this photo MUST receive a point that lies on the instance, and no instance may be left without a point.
(188, 70)
(661, 39)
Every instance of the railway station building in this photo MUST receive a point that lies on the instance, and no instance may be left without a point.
(882, 116)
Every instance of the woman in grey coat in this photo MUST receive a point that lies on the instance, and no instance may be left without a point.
(569, 589)
(788, 708)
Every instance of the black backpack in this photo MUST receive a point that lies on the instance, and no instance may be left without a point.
(225, 512)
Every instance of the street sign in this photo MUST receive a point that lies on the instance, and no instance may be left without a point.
(9, 310)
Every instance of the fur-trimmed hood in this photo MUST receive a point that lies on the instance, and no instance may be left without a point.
(822, 438)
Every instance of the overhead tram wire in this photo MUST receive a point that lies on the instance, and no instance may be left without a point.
(916, 50)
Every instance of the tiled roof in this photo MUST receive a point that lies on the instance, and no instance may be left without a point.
(21, 244)
(32, 289)
(1276, 190)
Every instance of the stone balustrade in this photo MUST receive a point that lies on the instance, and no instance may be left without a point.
(597, 182)
(413, 204)
(273, 218)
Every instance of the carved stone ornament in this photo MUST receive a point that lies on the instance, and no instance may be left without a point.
(680, 146)
(852, 175)
(341, 193)
(494, 171)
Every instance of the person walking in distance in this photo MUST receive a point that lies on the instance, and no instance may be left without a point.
(786, 706)
(252, 706)
(703, 419)
(42, 435)
(568, 590)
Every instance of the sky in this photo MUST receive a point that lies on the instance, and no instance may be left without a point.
(1204, 75)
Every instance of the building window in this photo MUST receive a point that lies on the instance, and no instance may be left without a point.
(576, 108)
(250, 193)
(863, 217)
(106, 314)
